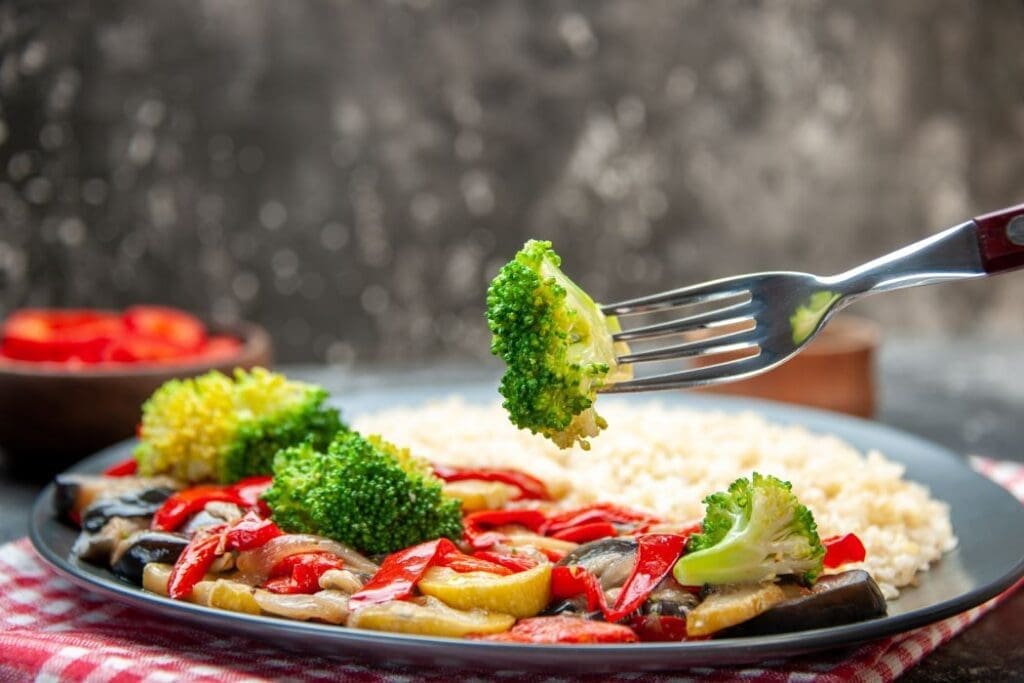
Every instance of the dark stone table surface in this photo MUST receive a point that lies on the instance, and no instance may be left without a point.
(961, 394)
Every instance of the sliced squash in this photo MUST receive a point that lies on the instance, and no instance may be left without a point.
(480, 495)
(428, 616)
(732, 605)
(522, 595)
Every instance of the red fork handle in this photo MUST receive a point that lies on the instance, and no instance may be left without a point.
(1001, 239)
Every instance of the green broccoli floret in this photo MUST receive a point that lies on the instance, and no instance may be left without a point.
(557, 345)
(214, 427)
(755, 531)
(364, 492)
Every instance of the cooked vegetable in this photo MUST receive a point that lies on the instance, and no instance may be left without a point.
(302, 573)
(732, 605)
(401, 571)
(557, 345)
(524, 485)
(565, 630)
(580, 585)
(139, 505)
(834, 600)
(840, 550)
(97, 546)
(479, 526)
(361, 491)
(128, 467)
(206, 545)
(610, 560)
(76, 492)
(257, 565)
(755, 531)
(656, 553)
(156, 576)
(428, 616)
(214, 427)
(475, 495)
(523, 594)
(131, 555)
(225, 594)
(330, 606)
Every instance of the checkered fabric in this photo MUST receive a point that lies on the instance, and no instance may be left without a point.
(52, 631)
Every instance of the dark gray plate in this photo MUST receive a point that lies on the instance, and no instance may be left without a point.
(988, 521)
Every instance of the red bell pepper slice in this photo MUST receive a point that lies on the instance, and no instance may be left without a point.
(301, 573)
(220, 347)
(470, 563)
(124, 468)
(517, 563)
(599, 512)
(563, 630)
(142, 350)
(247, 533)
(176, 328)
(183, 504)
(840, 550)
(529, 487)
(59, 335)
(194, 562)
(250, 532)
(570, 581)
(584, 533)
(249, 490)
(400, 572)
(659, 628)
(476, 525)
(655, 556)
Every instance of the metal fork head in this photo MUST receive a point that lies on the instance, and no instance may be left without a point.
(763, 317)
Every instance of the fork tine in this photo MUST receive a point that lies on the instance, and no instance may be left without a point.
(704, 292)
(728, 315)
(723, 343)
(693, 377)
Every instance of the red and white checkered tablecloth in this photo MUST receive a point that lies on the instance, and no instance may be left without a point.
(52, 631)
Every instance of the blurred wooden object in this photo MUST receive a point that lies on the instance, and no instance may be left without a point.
(51, 416)
(835, 371)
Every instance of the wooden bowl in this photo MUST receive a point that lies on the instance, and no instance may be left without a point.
(834, 372)
(51, 415)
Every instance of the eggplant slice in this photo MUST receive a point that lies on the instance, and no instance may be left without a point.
(76, 492)
(131, 555)
(135, 504)
(836, 599)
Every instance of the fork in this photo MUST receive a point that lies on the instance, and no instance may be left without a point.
(780, 312)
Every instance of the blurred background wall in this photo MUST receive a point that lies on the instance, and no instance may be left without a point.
(351, 174)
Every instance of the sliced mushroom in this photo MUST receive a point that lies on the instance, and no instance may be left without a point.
(212, 514)
(75, 492)
(97, 547)
(340, 579)
(669, 599)
(836, 599)
(141, 504)
(610, 559)
(131, 555)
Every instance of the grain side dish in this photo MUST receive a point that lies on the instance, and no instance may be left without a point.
(665, 460)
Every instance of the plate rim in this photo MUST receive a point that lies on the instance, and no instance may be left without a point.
(596, 657)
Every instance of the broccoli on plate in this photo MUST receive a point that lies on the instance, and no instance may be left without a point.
(365, 492)
(755, 531)
(215, 427)
(557, 345)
